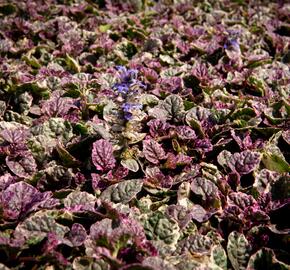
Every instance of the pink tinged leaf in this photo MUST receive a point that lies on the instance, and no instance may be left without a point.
(6, 180)
(171, 161)
(199, 214)
(154, 177)
(118, 174)
(150, 74)
(244, 162)
(153, 151)
(42, 201)
(184, 47)
(78, 234)
(16, 136)
(185, 133)
(57, 105)
(16, 198)
(200, 71)
(182, 159)
(102, 155)
(204, 145)
(95, 180)
(178, 160)
(241, 200)
(80, 201)
(244, 143)
(23, 165)
(79, 179)
(158, 127)
(51, 243)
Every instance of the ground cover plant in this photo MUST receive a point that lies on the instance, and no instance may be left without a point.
(144, 135)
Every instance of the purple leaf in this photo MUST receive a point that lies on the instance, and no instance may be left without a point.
(241, 200)
(244, 162)
(158, 127)
(57, 106)
(158, 179)
(102, 155)
(205, 188)
(153, 151)
(77, 234)
(199, 214)
(15, 136)
(173, 161)
(20, 198)
(6, 180)
(180, 214)
(204, 145)
(15, 197)
(185, 133)
(118, 174)
(23, 164)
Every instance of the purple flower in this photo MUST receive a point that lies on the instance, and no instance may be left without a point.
(131, 106)
(121, 88)
(128, 108)
(232, 40)
(127, 75)
(128, 115)
(128, 84)
(232, 44)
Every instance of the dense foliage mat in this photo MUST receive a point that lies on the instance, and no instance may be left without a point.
(144, 134)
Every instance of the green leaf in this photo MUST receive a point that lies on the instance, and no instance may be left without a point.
(188, 264)
(122, 192)
(256, 62)
(131, 164)
(41, 146)
(264, 178)
(256, 85)
(31, 61)
(238, 250)
(210, 172)
(167, 59)
(265, 259)
(80, 200)
(56, 128)
(243, 114)
(273, 158)
(89, 263)
(7, 9)
(67, 159)
(173, 104)
(126, 50)
(105, 27)
(219, 256)
(274, 162)
(37, 226)
(195, 116)
(158, 226)
(195, 245)
(148, 99)
(158, 263)
(72, 64)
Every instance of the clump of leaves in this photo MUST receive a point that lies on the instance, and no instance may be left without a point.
(135, 135)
